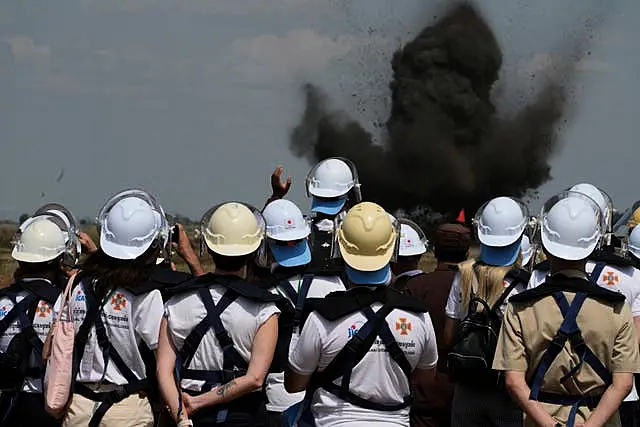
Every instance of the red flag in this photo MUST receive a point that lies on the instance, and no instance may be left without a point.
(461, 218)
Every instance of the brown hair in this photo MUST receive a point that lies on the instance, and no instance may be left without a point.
(111, 273)
(46, 270)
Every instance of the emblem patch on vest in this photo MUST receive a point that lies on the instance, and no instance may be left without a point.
(118, 301)
(403, 326)
(43, 309)
(610, 278)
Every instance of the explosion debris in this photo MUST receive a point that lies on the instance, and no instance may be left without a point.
(446, 147)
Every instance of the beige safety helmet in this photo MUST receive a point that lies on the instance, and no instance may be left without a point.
(233, 230)
(40, 240)
(634, 220)
(367, 238)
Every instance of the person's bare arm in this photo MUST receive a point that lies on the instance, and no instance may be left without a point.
(611, 399)
(165, 372)
(87, 243)
(295, 382)
(187, 253)
(423, 378)
(519, 390)
(279, 189)
(264, 345)
(450, 326)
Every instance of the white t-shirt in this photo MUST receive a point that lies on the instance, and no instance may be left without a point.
(41, 324)
(241, 320)
(624, 280)
(454, 308)
(129, 320)
(377, 377)
(279, 399)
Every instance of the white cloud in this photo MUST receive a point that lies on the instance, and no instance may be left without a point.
(24, 49)
(201, 6)
(299, 51)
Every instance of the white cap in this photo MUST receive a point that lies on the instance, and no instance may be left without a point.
(129, 228)
(634, 242)
(330, 178)
(40, 240)
(526, 250)
(593, 192)
(571, 226)
(412, 240)
(285, 221)
(501, 222)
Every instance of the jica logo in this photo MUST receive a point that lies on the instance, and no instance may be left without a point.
(3, 311)
(80, 296)
(353, 329)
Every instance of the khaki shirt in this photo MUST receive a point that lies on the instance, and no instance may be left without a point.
(607, 329)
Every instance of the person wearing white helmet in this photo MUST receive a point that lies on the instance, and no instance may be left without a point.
(563, 362)
(333, 186)
(219, 332)
(359, 348)
(26, 310)
(611, 271)
(413, 244)
(118, 315)
(526, 252)
(481, 289)
(287, 233)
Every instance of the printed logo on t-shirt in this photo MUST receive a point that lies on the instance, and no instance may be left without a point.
(353, 329)
(3, 311)
(118, 301)
(79, 295)
(403, 326)
(505, 284)
(610, 278)
(43, 309)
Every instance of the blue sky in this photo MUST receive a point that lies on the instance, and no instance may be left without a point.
(194, 99)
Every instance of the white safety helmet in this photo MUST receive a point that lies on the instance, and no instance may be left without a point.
(70, 227)
(571, 226)
(287, 231)
(232, 229)
(526, 250)
(634, 242)
(130, 223)
(501, 221)
(331, 178)
(40, 240)
(600, 197)
(285, 221)
(413, 241)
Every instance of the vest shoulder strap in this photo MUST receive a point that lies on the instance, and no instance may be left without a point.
(232, 359)
(354, 351)
(341, 303)
(241, 287)
(160, 278)
(569, 331)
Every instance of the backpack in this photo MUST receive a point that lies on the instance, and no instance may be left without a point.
(470, 358)
(14, 362)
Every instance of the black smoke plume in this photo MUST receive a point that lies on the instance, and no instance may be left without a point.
(446, 147)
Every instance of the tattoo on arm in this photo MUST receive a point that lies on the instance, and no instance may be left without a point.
(224, 388)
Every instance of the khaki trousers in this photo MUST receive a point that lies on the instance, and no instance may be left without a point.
(133, 411)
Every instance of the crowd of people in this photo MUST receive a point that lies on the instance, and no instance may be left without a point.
(324, 320)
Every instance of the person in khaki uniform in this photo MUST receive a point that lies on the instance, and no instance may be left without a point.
(569, 347)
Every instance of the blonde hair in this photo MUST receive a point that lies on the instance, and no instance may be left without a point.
(487, 284)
